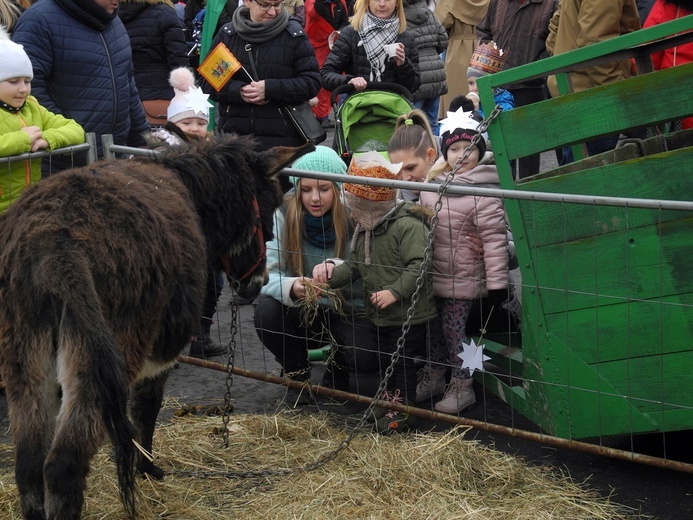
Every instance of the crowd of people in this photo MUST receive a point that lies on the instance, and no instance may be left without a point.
(350, 252)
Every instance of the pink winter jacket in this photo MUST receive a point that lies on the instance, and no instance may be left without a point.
(457, 271)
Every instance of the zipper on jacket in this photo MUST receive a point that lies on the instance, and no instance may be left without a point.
(113, 83)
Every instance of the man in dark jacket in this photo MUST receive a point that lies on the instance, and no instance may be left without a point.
(83, 68)
(520, 29)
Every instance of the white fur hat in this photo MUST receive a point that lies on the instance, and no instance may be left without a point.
(189, 100)
(14, 62)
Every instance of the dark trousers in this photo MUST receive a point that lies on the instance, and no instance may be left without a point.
(404, 374)
(527, 166)
(283, 333)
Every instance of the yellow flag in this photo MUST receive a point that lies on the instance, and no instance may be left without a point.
(218, 67)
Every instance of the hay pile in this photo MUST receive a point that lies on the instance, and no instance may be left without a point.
(419, 476)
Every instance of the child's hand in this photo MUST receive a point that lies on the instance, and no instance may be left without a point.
(322, 272)
(39, 144)
(298, 289)
(34, 133)
(383, 299)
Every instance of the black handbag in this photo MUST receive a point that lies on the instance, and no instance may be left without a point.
(301, 116)
(305, 122)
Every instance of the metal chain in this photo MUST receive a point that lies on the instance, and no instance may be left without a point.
(233, 329)
(344, 444)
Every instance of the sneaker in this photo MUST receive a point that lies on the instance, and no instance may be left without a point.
(431, 383)
(394, 421)
(459, 395)
(203, 347)
(377, 412)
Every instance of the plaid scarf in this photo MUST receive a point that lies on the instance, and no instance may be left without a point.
(375, 33)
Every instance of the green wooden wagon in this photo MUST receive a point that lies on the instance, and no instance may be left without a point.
(607, 324)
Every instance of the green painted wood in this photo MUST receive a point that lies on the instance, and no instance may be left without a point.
(607, 292)
(642, 263)
(628, 330)
(550, 223)
(653, 383)
(505, 355)
(596, 112)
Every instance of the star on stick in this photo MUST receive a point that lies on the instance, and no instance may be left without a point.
(473, 357)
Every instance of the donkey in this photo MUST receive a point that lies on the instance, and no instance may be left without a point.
(102, 275)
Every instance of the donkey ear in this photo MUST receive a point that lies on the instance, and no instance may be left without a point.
(278, 157)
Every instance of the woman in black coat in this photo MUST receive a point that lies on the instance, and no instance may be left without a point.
(359, 55)
(275, 50)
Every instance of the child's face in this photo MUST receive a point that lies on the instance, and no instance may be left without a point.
(14, 91)
(317, 196)
(471, 82)
(414, 168)
(193, 126)
(456, 151)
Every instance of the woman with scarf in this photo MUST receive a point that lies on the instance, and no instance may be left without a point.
(275, 51)
(359, 55)
(312, 236)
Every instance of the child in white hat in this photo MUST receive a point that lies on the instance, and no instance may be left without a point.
(25, 126)
(188, 113)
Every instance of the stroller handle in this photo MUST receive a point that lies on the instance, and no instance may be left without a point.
(348, 88)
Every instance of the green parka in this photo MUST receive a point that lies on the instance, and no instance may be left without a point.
(57, 131)
(396, 254)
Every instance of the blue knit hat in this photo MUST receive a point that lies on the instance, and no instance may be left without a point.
(322, 159)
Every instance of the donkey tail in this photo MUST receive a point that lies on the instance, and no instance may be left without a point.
(103, 375)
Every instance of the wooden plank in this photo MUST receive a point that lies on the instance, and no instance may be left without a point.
(595, 112)
(654, 383)
(642, 263)
(549, 223)
(629, 330)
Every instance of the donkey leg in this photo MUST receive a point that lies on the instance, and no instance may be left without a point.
(147, 395)
(33, 401)
(78, 436)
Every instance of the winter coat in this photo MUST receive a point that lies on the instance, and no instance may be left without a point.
(459, 272)
(349, 57)
(56, 130)
(521, 31)
(287, 64)
(664, 12)
(397, 251)
(431, 40)
(158, 45)
(459, 18)
(578, 23)
(281, 281)
(83, 72)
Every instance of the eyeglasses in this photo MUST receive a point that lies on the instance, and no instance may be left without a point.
(264, 6)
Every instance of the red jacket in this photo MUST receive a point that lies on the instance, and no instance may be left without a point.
(663, 12)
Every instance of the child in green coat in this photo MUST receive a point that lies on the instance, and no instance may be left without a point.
(25, 126)
(387, 253)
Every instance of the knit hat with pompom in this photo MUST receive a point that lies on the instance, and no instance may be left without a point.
(189, 100)
(322, 159)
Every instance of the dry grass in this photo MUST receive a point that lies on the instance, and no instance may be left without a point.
(418, 476)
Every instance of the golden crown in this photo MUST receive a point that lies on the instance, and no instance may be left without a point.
(487, 58)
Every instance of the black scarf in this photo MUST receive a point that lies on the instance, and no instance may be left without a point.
(88, 12)
(258, 32)
(319, 231)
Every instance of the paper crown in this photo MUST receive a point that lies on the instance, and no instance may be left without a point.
(374, 165)
(487, 58)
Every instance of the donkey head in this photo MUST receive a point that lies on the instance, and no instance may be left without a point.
(236, 191)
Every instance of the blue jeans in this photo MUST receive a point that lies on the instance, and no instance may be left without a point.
(430, 108)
